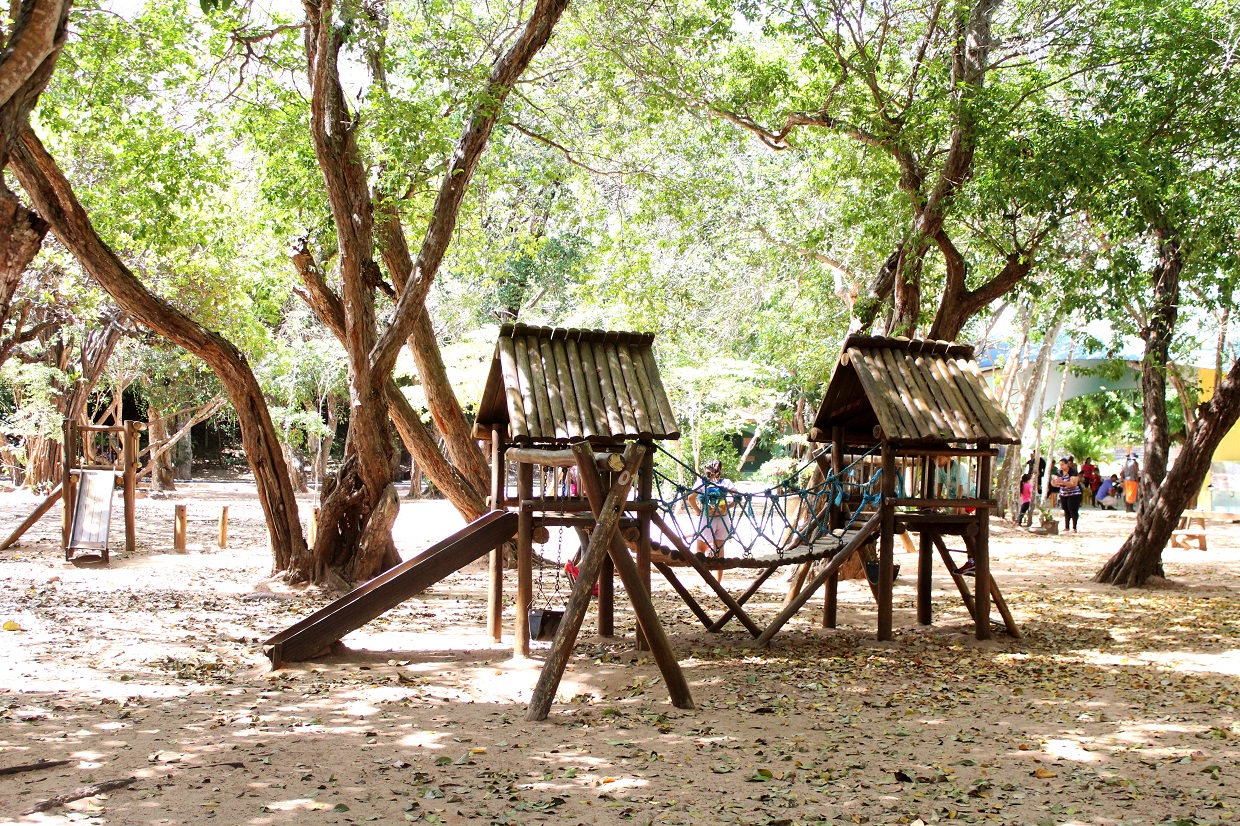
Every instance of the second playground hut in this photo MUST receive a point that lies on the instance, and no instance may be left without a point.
(936, 425)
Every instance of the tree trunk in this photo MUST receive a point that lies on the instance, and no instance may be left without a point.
(183, 450)
(1159, 505)
(354, 540)
(1140, 557)
(415, 482)
(296, 474)
(162, 477)
(1157, 334)
(54, 199)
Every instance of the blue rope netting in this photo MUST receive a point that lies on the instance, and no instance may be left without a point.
(774, 520)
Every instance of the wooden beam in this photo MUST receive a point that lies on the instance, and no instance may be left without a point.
(579, 600)
(561, 458)
(841, 556)
(495, 569)
(886, 545)
(35, 516)
(638, 593)
(525, 562)
(692, 561)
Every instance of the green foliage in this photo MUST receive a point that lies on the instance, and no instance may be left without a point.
(32, 390)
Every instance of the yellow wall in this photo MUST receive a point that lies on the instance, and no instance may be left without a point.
(1229, 448)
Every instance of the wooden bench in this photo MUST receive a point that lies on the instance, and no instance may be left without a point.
(1192, 528)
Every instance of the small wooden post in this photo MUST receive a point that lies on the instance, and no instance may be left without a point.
(223, 540)
(495, 585)
(886, 544)
(830, 598)
(925, 550)
(607, 599)
(179, 529)
(981, 551)
(129, 491)
(525, 559)
(68, 491)
(645, 490)
(314, 528)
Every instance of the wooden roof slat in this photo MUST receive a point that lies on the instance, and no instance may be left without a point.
(975, 386)
(916, 369)
(989, 400)
(512, 389)
(594, 387)
(542, 396)
(894, 394)
(580, 391)
(954, 424)
(566, 383)
(551, 380)
(954, 395)
(865, 371)
(615, 422)
(918, 392)
(536, 407)
(623, 402)
(568, 394)
(914, 401)
(637, 398)
(670, 425)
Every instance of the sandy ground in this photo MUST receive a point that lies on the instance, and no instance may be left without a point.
(1117, 707)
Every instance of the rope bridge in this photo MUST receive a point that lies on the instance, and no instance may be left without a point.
(778, 525)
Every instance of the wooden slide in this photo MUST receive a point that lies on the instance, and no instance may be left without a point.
(315, 634)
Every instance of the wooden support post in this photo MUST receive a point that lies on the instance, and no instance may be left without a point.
(607, 599)
(44, 507)
(223, 537)
(129, 491)
(495, 583)
(644, 490)
(313, 533)
(925, 570)
(831, 602)
(602, 541)
(639, 596)
(179, 529)
(525, 560)
(841, 556)
(961, 584)
(886, 543)
(831, 597)
(981, 551)
(707, 576)
(68, 460)
(718, 624)
(684, 593)
(925, 551)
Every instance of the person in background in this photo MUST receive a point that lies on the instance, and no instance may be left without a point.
(1089, 480)
(1068, 483)
(1131, 474)
(1107, 495)
(1026, 499)
(947, 482)
(711, 500)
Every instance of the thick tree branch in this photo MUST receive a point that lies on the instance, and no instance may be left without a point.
(504, 75)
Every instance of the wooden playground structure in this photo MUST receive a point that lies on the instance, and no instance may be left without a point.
(898, 416)
(86, 489)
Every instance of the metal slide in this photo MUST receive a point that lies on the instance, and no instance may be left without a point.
(92, 513)
(314, 634)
